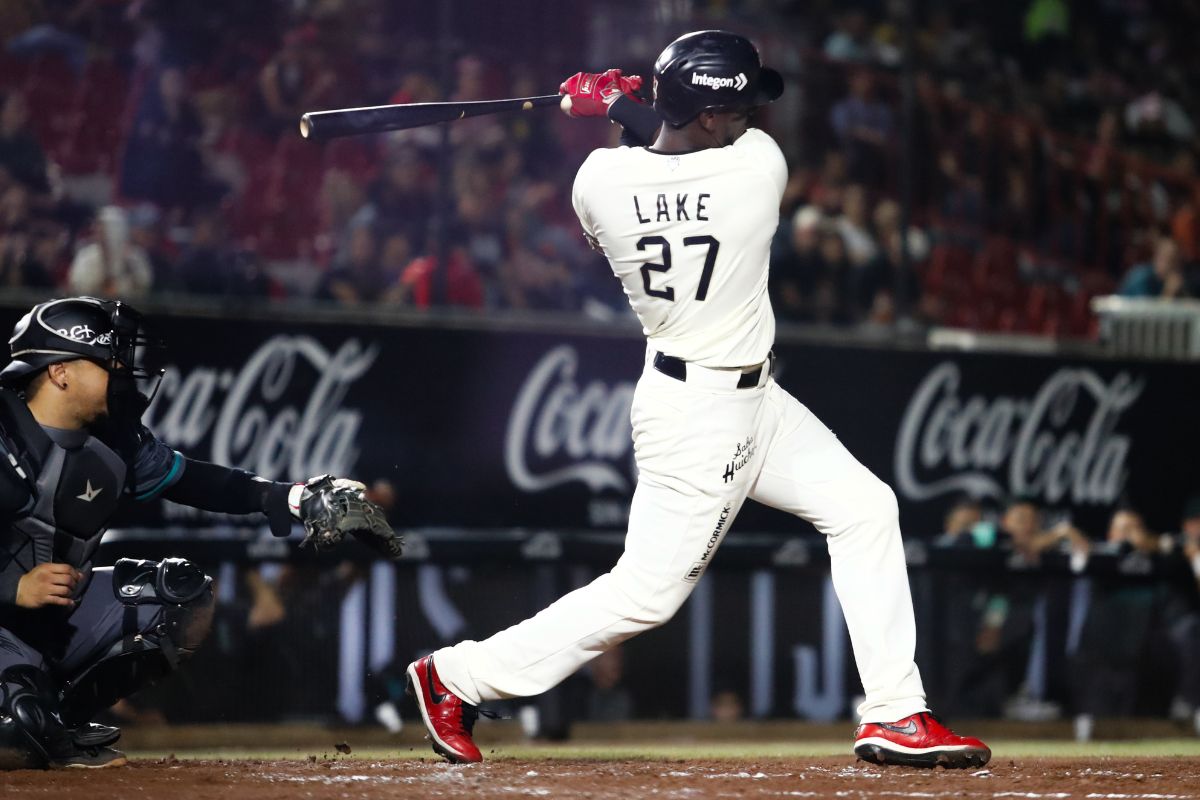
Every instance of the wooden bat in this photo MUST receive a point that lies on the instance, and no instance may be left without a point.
(376, 119)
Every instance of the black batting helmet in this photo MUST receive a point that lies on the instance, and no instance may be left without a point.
(711, 71)
(105, 331)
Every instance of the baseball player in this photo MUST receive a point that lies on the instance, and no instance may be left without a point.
(74, 639)
(686, 224)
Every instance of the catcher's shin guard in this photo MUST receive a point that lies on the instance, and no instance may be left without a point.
(142, 658)
(31, 734)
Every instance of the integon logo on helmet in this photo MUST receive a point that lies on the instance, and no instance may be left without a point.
(738, 82)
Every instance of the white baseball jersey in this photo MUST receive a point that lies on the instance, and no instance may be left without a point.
(689, 236)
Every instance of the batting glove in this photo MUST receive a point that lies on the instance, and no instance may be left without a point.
(589, 94)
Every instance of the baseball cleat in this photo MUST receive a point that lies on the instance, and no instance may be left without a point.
(90, 758)
(918, 741)
(93, 734)
(448, 719)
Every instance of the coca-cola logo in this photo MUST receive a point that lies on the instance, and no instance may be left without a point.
(279, 416)
(1061, 444)
(560, 430)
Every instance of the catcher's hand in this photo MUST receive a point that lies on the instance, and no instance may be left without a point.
(332, 507)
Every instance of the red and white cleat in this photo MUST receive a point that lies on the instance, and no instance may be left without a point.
(448, 719)
(918, 741)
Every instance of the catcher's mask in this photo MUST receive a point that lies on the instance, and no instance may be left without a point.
(110, 333)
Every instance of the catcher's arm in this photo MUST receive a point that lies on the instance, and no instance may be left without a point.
(329, 508)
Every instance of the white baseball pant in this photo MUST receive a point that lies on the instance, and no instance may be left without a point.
(702, 447)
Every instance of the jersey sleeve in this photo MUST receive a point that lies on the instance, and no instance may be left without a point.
(764, 154)
(156, 468)
(579, 190)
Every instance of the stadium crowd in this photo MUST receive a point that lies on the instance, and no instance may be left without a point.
(151, 148)
(1130, 645)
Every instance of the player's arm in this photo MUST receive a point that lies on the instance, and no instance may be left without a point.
(613, 95)
(328, 507)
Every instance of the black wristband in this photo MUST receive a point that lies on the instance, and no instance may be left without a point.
(640, 122)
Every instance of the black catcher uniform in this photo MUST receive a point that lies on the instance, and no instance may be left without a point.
(135, 622)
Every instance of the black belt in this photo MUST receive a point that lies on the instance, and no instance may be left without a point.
(676, 368)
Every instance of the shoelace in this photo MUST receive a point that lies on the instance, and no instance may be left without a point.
(472, 713)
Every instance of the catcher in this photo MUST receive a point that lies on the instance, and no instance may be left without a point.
(74, 639)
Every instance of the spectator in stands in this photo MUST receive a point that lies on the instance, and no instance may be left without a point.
(865, 127)
(878, 282)
(297, 79)
(850, 39)
(961, 193)
(111, 266)
(460, 285)
(833, 288)
(146, 231)
(360, 278)
(854, 225)
(21, 264)
(212, 267)
(394, 255)
(55, 33)
(795, 265)
(397, 201)
(608, 697)
(1183, 617)
(963, 525)
(162, 162)
(538, 273)
(1162, 277)
(483, 237)
(21, 157)
(989, 667)
(1123, 644)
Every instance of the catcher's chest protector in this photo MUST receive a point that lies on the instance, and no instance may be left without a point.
(75, 492)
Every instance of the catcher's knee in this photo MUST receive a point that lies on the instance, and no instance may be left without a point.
(181, 588)
(145, 655)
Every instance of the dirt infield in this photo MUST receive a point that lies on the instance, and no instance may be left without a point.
(322, 777)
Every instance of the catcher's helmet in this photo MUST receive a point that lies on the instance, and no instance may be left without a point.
(106, 331)
(711, 71)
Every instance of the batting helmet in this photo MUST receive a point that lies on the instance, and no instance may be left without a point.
(711, 71)
(106, 331)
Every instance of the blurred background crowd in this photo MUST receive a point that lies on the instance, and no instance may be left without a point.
(1131, 645)
(152, 147)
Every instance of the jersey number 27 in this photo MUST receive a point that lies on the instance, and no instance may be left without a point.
(710, 259)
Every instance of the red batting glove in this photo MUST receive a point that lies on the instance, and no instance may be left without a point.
(592, 93)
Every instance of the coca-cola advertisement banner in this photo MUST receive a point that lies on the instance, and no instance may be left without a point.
(491, 428)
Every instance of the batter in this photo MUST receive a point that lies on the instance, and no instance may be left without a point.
(686, 224)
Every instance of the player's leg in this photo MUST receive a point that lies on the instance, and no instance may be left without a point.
(134, 625)
(806, 471)
(32, 735)
(684, 503)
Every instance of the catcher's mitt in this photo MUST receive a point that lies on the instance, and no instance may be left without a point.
(332, 507)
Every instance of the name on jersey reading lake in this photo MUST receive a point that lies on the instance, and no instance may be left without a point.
(668, 208)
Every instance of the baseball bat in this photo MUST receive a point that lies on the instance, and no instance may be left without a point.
(376, 119)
